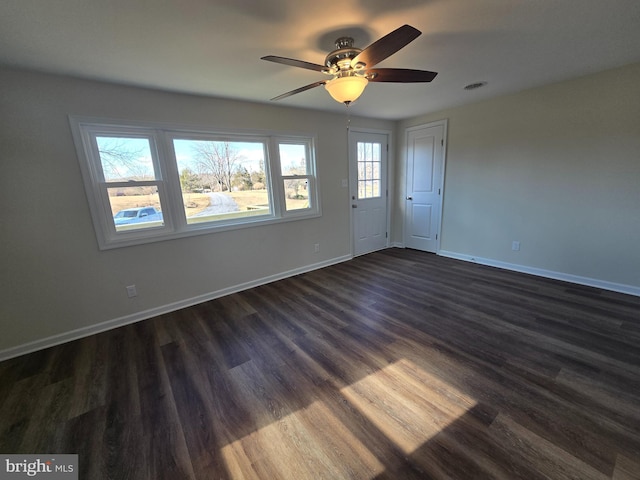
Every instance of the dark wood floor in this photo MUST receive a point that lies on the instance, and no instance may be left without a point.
(397, 364)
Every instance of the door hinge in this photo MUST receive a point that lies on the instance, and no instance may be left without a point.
(438, 191)
(386, 234)
(387, 147)
(442, 142)
(436, 236)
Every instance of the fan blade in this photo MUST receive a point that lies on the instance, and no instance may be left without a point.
(399, 75)
(294, 63)
(386, 46)
(300, 90)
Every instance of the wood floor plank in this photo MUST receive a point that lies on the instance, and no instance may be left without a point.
(16, 411)
(192, 396)
(165, 453)
(51, 410)
(544, 456)
(396, 364)
(626, 469)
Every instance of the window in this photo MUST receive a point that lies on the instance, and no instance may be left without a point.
(369, 169)
(222, 179)
(297, 175)
(148, 183)
(130, 179)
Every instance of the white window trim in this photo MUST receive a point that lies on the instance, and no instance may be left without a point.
(85, 129)
(311, 175)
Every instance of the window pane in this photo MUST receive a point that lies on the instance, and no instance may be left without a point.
(125, 159)
(296, 194)
(222, 180)
(375, 188)
(369, 162)
(293, 159)
(134, 208)
(362, 170)
(375, 170)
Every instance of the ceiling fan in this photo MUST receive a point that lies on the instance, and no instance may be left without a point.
(351, 67)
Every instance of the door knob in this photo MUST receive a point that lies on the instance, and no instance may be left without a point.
(409, 198)
(354, 206)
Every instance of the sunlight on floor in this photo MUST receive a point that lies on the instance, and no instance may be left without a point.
(309, 443)
(407, 404)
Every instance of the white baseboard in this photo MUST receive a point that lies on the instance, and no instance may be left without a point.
(567, 277)
(153, 312)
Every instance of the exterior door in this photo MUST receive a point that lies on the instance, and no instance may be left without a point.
(368, 190)
(424, 183)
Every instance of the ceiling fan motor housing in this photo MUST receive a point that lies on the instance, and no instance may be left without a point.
(340, 58)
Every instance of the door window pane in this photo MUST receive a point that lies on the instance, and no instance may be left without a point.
(369, 161)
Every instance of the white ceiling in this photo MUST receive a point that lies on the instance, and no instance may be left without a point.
(213, 47)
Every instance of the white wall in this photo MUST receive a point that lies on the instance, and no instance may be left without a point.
(556, 168)
(56, 284)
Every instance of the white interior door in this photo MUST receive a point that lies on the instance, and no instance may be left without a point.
(423, 201)
(368, 190)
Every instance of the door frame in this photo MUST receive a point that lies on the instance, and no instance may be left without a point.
(353, 188)
(444, 124)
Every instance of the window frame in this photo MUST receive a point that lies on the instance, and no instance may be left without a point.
(167, 178)
(364, 165)
(310, 174)
(173, 134)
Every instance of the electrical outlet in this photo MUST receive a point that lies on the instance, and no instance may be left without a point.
(316, 248)
(131, 291)
(515, 246)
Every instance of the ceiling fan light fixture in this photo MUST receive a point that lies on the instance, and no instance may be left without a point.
(351, 67)
(346, 89)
